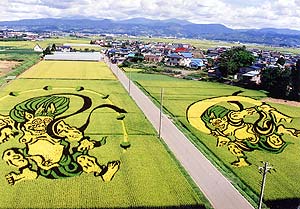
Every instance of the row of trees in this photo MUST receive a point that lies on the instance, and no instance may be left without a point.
(49, 50)
(282, 82)
(279, 81)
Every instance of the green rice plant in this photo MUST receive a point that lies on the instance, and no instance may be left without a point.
(281, 187)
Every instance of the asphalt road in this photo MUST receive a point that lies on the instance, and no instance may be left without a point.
(217, 189)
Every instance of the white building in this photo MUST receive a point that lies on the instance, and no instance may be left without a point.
(38, 48)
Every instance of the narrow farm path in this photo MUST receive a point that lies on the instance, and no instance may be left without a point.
(218, 190)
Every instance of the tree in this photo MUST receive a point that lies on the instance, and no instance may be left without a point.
(53, 48)
(138, 57)
(295, 82)
(232, 60)
(47, 51)
(210, 62)
(276, 81)
(281, 61)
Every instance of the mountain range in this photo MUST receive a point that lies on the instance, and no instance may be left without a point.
(166, 28)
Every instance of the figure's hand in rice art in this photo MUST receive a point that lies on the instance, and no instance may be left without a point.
(47, 138)
(15, 158)
(265, 131)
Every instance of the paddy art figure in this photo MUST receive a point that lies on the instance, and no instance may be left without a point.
(46, 141)
(264, 129)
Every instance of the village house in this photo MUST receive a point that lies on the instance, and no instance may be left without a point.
(196, 63)
(134, 57)
(213, 54)
(185, 59)
(198, 54)
(122, 52)
(181, 50)
(130, 56)
(63, 48)
(118, 55)
(250, 75)
(173, 59)
(153, 58)
(214, 72)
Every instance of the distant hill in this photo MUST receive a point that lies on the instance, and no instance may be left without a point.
(145, 21)
(168, 27)
(282, 31)
(135, 26)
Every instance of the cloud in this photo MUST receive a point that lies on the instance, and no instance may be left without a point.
(232, 13)
(62, 4)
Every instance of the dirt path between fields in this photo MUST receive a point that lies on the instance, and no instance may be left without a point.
(217, 189)
(6, 66)
(282, 101)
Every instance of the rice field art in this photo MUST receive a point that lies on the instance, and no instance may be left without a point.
(46, 137)
(265, 132)
(77, 140)
(236, 129)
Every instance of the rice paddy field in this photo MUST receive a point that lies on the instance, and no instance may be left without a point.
(43, 43)
(25, 58)
(148, 176)
(69, 70)
(131, 169)
(282, 185)
(22, 52)
(207, 44)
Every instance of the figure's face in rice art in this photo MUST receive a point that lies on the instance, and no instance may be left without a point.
(34, 127)
(219, 123)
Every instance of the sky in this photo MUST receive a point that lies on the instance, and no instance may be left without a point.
(231, 13)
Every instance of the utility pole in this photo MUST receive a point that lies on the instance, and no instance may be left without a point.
(263, 170)
(160, 112)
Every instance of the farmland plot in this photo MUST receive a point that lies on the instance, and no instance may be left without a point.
(237, 131)
(69, 70)
(74, 139)
(7, 66)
